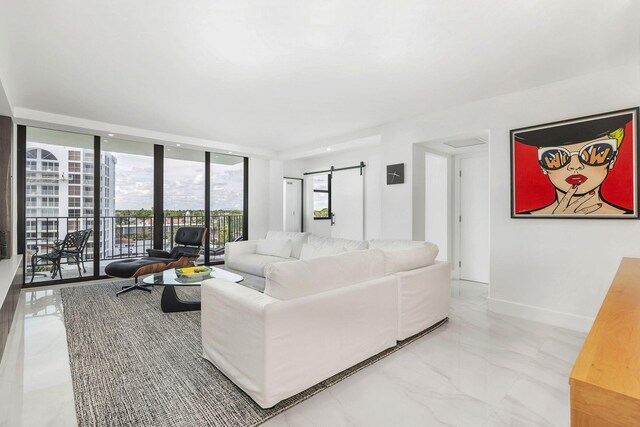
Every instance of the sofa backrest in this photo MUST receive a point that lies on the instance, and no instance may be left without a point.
(348, 245)
(311, 251)
(396, 245)
(295, 279)
(405, 255)
(297, 240)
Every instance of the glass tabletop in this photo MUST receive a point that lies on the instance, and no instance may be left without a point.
(169, 278)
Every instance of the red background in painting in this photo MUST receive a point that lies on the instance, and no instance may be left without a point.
(533, 190)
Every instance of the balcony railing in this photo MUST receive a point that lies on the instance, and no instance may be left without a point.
(126, 236)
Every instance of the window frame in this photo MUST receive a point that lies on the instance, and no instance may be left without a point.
(328, 192)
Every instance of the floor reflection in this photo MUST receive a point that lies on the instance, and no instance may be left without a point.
(47, 302)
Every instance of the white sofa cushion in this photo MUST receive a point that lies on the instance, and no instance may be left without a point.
(311, 251)
(397, 245)
(332, 242)
(289, 280)
(279, 248)
(297, 240)
(409, 259)
(254, 263)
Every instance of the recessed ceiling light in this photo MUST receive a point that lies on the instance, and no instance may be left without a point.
(168, 149)
(328, 148)
(230, 152)
(177, 145)
(105, 140)
(110, 134)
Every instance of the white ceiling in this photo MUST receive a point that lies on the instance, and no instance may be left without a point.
(284, 73)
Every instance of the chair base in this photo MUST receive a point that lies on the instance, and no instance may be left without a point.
(133, 287)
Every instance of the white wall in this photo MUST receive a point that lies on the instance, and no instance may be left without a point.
(553, 270)
(6, 110)
(276, 198)
(436, 221)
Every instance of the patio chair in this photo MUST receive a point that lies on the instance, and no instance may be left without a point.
(77, 252)
(219, 250)
(72, 246)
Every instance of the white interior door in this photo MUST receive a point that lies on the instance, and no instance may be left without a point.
(474, 218)
(347, 204)
(292, 205)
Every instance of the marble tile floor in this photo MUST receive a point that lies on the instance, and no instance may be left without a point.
(479, 369)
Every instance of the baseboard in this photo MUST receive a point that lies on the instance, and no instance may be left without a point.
(539, 314)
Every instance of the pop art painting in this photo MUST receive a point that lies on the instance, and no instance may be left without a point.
(579, 168)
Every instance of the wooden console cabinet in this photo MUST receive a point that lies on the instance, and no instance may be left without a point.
(605, 380)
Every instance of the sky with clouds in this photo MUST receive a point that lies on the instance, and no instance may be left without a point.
(183, 184)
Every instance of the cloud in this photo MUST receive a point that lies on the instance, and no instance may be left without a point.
(183, 184)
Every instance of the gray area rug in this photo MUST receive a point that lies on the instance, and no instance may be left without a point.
(133, 365)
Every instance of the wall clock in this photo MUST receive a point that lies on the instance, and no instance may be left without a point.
(395, 174)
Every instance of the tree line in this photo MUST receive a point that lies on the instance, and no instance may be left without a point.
(148, 213)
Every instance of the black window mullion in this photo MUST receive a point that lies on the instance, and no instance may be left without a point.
(22, 190)
(96, 206)
(330, 179)
(245, 216)
(158, 196)
(207, 206)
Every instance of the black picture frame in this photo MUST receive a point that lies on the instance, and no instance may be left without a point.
(395, 174)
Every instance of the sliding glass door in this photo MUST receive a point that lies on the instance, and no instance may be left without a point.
(227, 206)
(59, 217)
(184, 192)
(126, 209)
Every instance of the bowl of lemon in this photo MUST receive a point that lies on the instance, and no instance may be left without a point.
(194, 273)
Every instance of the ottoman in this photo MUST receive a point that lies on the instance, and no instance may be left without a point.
(135, 268)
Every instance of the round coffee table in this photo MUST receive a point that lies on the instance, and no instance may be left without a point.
(170, 303)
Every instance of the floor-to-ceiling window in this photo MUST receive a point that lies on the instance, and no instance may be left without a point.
(89, 201)
(184, 192)
(58, 211)
(126, 209)
(227, 202)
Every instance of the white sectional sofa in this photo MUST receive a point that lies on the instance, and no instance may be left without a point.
(320, 316)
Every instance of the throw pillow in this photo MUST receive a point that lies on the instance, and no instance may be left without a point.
(278, 248)
(297, 240)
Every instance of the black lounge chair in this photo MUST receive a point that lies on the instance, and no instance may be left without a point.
(189, 241)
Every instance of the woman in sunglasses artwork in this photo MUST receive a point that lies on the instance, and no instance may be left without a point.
(577, 168)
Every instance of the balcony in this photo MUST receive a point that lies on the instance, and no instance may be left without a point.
(120, 237)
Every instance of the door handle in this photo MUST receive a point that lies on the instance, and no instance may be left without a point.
(333, 219)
